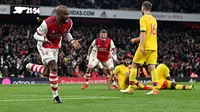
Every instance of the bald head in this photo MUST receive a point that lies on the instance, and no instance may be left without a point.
(62, 12)
(61, 8)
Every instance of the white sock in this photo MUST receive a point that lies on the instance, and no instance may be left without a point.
(87, 82)
(113, 83)
(54, 93)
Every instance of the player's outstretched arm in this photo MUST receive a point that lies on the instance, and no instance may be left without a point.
(75, 43)
(113, 50)
(89, 51)
(91, 48)
(135, 40)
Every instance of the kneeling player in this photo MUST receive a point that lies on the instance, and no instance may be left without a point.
(123, 72)
(104, 46)
(164, 80)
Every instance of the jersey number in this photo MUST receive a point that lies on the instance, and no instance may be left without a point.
(153, 29)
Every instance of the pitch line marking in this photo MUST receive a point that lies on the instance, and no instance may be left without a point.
(62, 96)
(70, 98)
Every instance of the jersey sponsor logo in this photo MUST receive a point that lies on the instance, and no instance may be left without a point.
(102, 49)
(54, 35)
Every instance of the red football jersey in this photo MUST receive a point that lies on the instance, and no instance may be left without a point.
(53, 32)
(103, 49)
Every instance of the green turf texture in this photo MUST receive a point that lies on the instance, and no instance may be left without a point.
(37, 98)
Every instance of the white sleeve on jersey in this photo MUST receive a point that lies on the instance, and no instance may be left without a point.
(114, 57)
(112, 45)
(94, 46)
(113, 50)
(41, 32)
(69, 37)
(94, 49)
(93, 43)
(93, 54)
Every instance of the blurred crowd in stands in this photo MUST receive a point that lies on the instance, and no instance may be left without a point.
(186, 6)
(17, 45)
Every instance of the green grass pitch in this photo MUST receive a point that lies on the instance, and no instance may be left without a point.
(37, 98)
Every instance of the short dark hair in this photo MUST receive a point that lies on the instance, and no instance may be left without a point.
(103, 31)
(126, 57)
(167, 60)
(147, 5)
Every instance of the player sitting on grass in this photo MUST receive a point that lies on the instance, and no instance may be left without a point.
(164, 80)
(123, 72)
